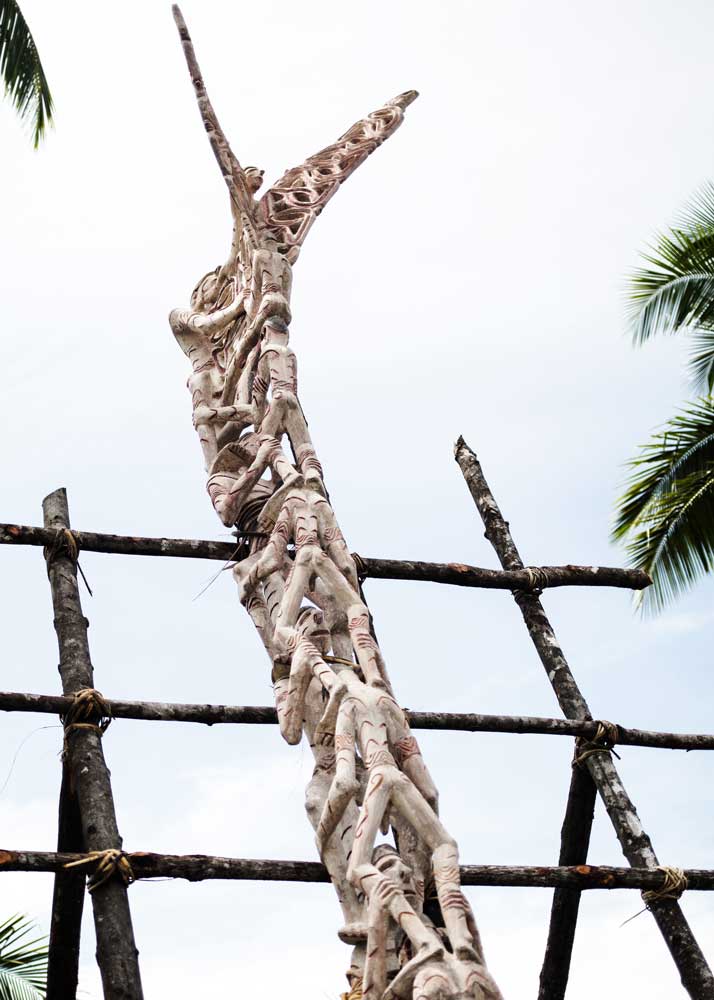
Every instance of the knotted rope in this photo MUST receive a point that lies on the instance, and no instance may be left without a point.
(355, 992)
(65, 544)
(537, 579)
(675, 883)
(89, 710)
(110, 862)
(606, 736)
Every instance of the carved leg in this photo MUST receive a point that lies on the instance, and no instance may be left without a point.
(344, 785)
(445, 861)
(375, 967)
(366, 878)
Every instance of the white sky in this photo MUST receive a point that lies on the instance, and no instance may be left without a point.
(468, 279)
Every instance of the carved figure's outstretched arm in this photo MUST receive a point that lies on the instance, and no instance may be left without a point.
(233, 173)
(291, 206)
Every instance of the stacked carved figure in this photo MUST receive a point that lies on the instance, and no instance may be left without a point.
(412, 930)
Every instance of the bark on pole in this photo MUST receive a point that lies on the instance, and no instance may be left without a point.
(456, 574)
(574, 843)
(198, 867)
(117, 955)
(695, 973)
(265, 715)
(67, 901)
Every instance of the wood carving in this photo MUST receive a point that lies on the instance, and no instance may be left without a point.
(299, 583)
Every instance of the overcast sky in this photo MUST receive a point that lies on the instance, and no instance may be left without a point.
(469, 279)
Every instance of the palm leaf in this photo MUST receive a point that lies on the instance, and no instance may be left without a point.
(676, 292)
(23, 963)
(21, 70)
(666, 515)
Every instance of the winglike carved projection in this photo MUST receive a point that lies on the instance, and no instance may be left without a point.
(299, 583)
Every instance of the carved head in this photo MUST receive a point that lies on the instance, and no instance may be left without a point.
(311, 624)
(206, 292)
(254, 178)
(387, 860)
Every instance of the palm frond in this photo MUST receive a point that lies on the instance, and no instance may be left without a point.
(21, 70)
(666, 515)
(701, 361)
(23, 962)
(675, 293)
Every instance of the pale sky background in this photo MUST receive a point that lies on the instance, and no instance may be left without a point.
(468, 279)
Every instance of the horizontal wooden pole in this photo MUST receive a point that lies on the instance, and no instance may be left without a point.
(458, 574)
(157, 711)
(196, 867)
(533, 578)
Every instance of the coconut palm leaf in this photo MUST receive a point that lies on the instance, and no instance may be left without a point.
(676, 293)
(23, 963)
(21, 70)
(666, 515)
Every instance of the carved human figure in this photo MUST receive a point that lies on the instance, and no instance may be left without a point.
(203, 333)
(368, 770)
(307, 519)
(305, 645)
(433, 973)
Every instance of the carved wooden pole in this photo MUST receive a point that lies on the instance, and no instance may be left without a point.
(87, 773)
(301, 587)
(694, 971)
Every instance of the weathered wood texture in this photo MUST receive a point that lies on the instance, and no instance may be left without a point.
(458, 574)
(574, 843)
(197, 867)
(67, 901)
(536, 577)
(261, 715)
(117, 955)
(210, 715)
(693, 968)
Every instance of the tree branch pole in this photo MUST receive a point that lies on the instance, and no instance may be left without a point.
(198, 867)
(693, 968)
(117, 955)
(379, 569)
(574, 844)
(210, 715)
(67, 900)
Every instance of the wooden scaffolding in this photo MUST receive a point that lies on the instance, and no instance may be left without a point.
(89, 844)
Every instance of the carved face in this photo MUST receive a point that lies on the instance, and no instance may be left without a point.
(254, 178)
(387, 861)
(206, 292)
(311, 624)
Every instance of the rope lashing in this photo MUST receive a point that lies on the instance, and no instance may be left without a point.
(65, 544)
(89, 710)
(675, 883)
(606, 736)
(361, 569)
(110, 862)
(537, 579)
(355, 992)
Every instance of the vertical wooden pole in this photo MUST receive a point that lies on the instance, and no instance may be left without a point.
(117, 955)
(574, 843)
(695, 973)
(67, 901)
